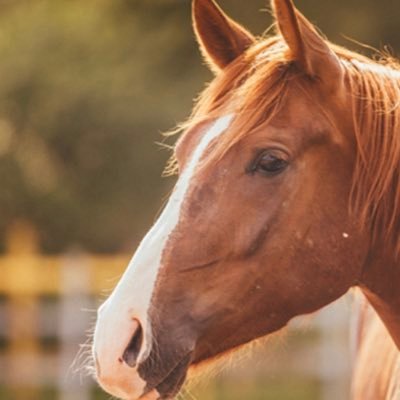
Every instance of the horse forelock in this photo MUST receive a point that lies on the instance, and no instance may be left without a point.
(252, 88)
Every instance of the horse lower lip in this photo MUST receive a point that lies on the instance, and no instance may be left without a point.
(169, 386)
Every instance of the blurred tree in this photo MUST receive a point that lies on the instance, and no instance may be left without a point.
(87, 86)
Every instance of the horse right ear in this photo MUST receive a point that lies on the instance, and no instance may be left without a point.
(221, 39)
(307, 47)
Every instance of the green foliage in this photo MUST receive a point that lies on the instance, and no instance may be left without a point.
(87, 86)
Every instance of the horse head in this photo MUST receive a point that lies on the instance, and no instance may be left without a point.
(258, 228)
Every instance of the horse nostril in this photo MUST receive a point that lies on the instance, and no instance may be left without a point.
(131, 353)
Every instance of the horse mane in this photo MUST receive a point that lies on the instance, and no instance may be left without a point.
(254, 87)
(376, 178)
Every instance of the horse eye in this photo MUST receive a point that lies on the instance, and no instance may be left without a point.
(270, 163)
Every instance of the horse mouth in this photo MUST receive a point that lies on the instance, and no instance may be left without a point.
(169, 386)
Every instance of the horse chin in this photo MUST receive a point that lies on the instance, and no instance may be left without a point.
(169, 386)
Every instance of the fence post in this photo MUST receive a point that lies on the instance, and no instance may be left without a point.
(23, 369)
(74, 320)
(334, 359)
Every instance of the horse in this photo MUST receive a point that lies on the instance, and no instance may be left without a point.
(288, 195)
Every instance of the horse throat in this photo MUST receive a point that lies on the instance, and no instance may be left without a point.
(381, 286)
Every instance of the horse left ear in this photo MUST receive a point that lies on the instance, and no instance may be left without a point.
(221, 39)
(307, 47)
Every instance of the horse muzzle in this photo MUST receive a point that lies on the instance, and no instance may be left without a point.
(130, 366)
(114, 347)
(147, 381)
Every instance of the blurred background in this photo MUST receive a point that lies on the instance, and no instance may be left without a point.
(86, 88)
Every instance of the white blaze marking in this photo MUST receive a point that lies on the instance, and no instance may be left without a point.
(131, 297)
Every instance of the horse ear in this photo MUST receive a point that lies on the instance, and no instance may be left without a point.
(307, 47)
(221, 39)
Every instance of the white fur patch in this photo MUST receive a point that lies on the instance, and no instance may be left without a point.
(131, 297)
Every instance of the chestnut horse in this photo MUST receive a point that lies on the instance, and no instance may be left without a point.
(288, 195)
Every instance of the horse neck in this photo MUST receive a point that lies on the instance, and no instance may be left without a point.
(381, 286)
